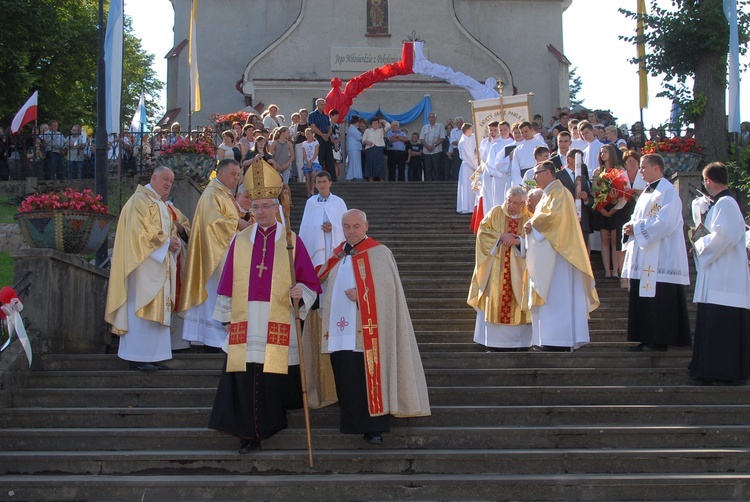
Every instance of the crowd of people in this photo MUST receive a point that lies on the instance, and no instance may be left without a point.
(226, 281)
(234, 278)
(533, 285)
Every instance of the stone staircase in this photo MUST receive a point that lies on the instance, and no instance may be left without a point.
(597, 424)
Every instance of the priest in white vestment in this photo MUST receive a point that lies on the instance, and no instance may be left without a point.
(466, 197)
(523, 155)
(560, 289)
(593, 145)
(141, 288)
(321, 229)
(485, 185)
(496, 292)
(215, 223)
(721, 346)
(499, 172)
(364, 338)
(656, 264)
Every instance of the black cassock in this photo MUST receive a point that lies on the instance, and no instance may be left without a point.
(253, 404)
(351, 388)
(721, 349)
(661, 320)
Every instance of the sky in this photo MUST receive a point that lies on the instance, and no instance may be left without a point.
(590, 27)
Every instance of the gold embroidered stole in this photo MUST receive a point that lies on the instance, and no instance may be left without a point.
(279, 328)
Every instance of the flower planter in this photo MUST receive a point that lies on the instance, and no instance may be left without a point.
(196, 166)
(67, 231)
(680, 161)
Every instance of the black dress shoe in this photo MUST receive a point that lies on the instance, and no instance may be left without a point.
(144, 367)
(729, 383)
(248, 445)
(553, 348)
(373, 438)
(697, 381)
(505, 349)
(636, 348)
(655, 347)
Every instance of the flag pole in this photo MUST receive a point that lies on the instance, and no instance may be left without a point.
(100, 157)
(286, 200)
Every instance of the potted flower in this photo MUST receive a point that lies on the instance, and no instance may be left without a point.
(195, 158)
(69, 221)
(679, 154)
(225, 121)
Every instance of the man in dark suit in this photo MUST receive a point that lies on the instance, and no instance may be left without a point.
(566, 175)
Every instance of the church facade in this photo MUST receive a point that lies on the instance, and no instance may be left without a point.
(253, 52)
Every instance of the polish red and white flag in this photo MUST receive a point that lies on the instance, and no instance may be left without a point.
(26, 114)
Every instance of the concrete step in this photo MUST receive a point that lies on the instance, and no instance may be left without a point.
(521, 487)
(439, 396)
(461, 377)
(381, 461)
(616, 357)
(443, 416)
(611, 437)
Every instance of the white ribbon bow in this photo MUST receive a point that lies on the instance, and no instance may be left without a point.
(14, 323)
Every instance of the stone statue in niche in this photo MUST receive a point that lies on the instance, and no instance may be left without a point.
(377, 17)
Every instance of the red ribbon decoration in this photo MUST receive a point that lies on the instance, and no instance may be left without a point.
(342, 101)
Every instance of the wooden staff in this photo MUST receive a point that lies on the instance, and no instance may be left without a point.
(286, 198)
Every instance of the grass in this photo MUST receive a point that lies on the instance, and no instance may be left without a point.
(8, 208)
(6, 269)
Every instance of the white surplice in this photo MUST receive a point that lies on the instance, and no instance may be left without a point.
(466, 197)
(656, 250)
(523, 155)
(199, 325)
(591, 156)
(320, 244)
(563, 320)
(342, 329)
(721, 259)
(500, 173)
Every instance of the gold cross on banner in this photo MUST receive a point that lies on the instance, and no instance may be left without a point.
(370, 327)
(261, 268)
(649, 271)
(648, 286)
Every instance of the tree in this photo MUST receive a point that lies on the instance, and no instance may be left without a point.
(575, 84)
(690, 40)
(51, 46)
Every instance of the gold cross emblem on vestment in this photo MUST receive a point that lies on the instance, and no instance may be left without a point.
(649, 271)
(648, 287)
(370, 327)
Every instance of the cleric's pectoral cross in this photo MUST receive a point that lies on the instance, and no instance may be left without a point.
(261, 267)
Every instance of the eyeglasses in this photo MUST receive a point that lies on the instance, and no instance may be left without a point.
(264, 207)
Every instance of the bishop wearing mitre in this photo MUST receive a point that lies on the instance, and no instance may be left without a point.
(260, 380)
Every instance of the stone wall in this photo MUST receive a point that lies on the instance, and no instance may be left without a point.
(65, 304)
(11, 238)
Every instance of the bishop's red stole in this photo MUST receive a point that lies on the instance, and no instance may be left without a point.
(368, 312)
